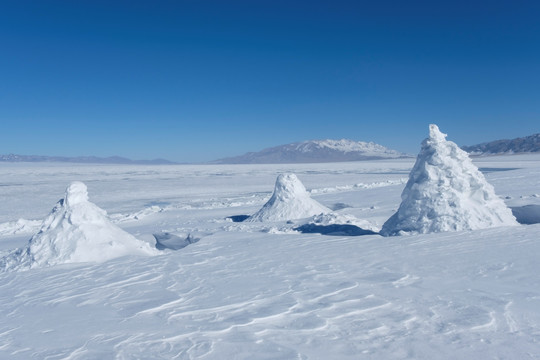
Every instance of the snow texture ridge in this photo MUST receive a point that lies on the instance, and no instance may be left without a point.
(76, 230)
(289, 201)
(446, 192)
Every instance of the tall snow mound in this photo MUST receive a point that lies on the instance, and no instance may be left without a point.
(446, 192)
(289, 201)
(76, 230)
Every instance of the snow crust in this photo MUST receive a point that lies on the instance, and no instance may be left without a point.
(289, 201)
(446, 192)
(75, 231)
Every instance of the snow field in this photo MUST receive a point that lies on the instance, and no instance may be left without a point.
(245, 296)
(262, 291)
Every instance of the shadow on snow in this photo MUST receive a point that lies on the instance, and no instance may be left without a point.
(527, 215)
(238, 218)
(334, 230)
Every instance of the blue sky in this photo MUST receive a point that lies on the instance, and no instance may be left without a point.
(198, 80)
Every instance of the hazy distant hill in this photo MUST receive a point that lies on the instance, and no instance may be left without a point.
(80, 159)
(316, 151)
(518, 145)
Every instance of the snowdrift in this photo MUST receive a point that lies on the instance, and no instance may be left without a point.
(289, 201)
(76, 230)
(446, 192)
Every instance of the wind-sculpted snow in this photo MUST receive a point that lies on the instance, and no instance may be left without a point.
(289, 201)
(460, 295)
(75, 231)
(446, 192)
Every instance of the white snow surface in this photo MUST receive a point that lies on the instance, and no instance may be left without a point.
(289, 201)
(75, 231)
(446, 192)
(244, 291)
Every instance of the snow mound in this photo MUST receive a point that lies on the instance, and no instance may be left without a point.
(337, 224)
(446, 192)
(166, 240)
(289, 201)
(76, 230)
(342, 219)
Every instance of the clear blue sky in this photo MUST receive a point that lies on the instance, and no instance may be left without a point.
(197, 80)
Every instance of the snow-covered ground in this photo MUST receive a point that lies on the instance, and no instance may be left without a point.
(260, 290)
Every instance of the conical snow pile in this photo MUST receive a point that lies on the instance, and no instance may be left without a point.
(289, 201)
(76, 230)
(446, 192)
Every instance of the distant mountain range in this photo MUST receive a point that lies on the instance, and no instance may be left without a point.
(525, 144)
(81, 159)
(316, 151)
(313, 151)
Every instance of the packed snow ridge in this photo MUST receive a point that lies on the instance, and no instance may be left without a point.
(446, 192)
(76, 230)
(289, 201)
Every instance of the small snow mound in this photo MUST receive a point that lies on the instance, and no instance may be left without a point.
(337, 225)
(166, 240)
(76, 230)
(446, 192)
(289, 201)
(342, 219)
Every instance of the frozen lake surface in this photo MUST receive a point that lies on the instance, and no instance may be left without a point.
(262, 290)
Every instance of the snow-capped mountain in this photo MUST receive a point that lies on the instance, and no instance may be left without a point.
(316, 151)
(525, 144)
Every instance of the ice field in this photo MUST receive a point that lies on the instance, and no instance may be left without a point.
(261, 290)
